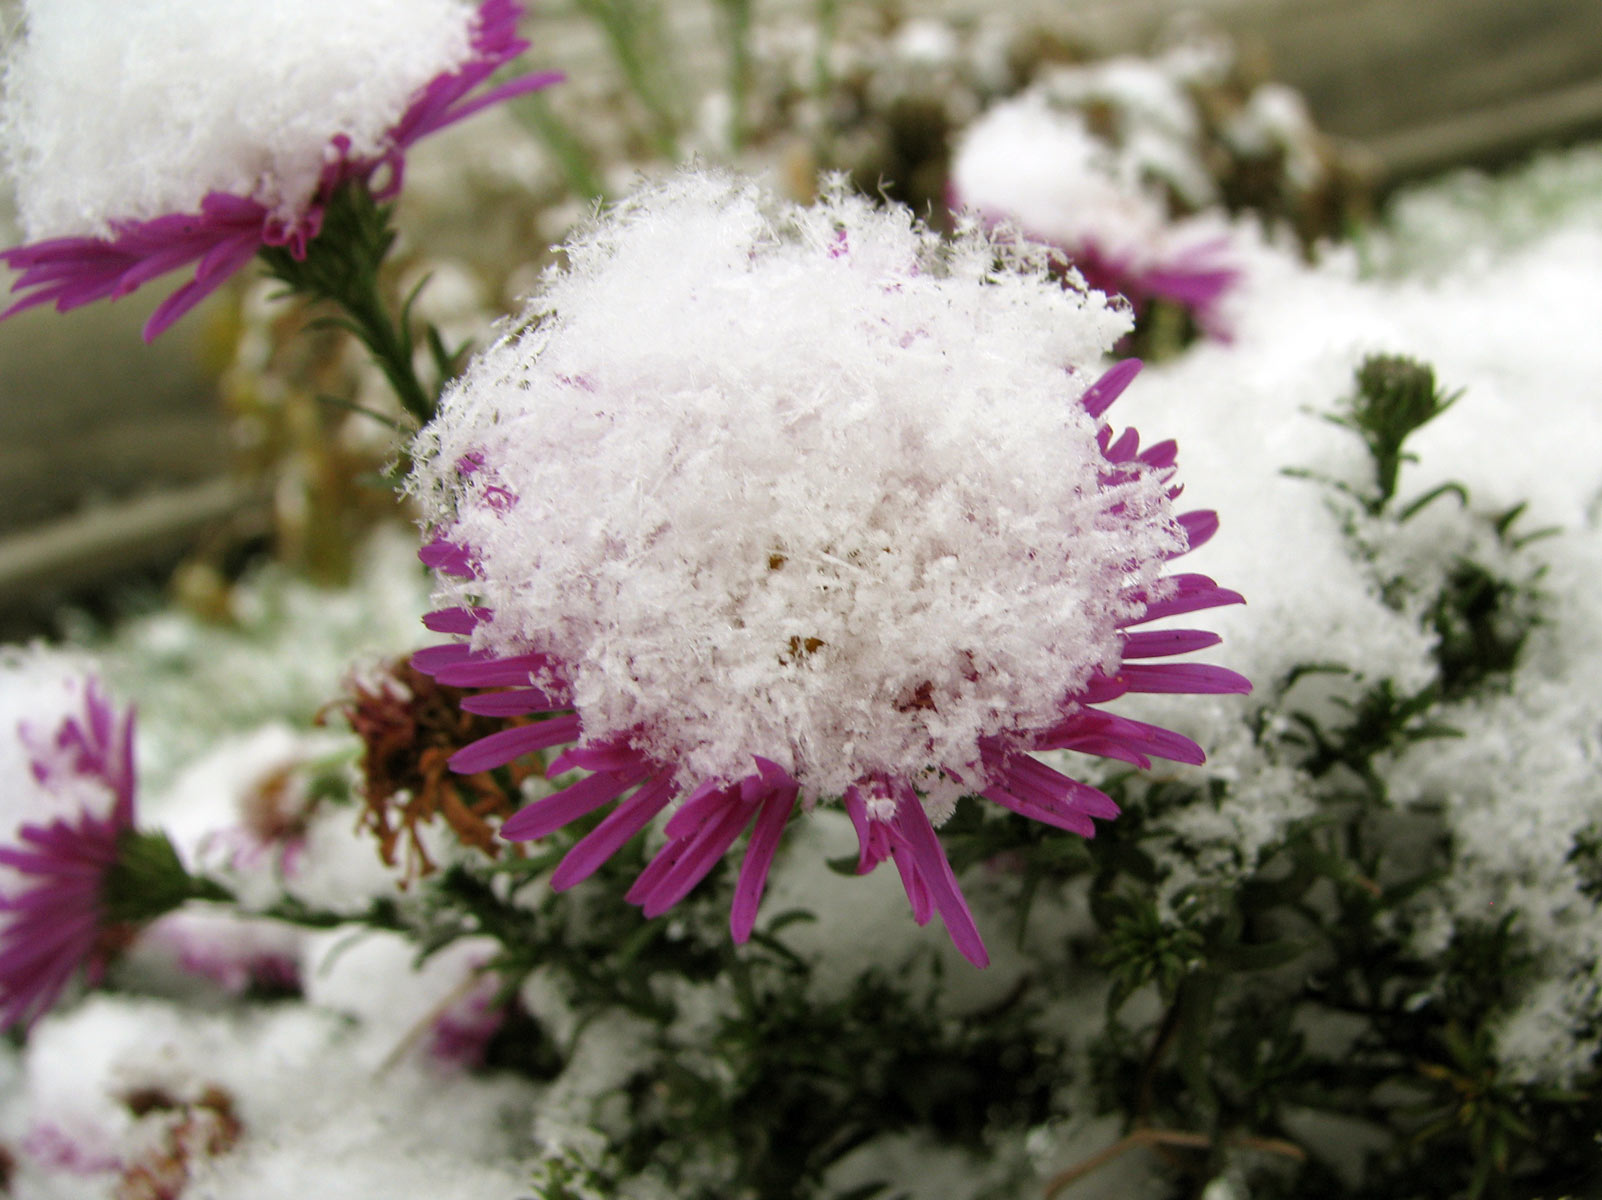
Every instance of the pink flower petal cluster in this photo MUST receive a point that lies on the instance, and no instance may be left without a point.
(52, 913)
(227, 230)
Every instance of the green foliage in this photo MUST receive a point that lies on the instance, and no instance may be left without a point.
(1396, 396)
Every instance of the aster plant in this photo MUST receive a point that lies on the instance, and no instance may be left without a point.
(129, 166)
(763, 507)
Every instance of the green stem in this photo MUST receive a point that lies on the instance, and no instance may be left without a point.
(737, 21)
(628, 25)
(342, 265)
(380, 913)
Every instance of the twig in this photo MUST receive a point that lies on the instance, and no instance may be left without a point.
(1164, 1137)
(426, 1022)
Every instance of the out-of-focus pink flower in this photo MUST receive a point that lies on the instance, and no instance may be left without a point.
(1045, 174)
(53, 916)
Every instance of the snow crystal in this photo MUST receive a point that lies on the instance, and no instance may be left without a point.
(795, 482)
(118, 112)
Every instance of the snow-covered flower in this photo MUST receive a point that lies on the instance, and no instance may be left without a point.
(143, 138)
(768, 506)
(69, 800)
(1043, 171)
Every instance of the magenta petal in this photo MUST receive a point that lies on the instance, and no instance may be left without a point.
(447, 556)
(1162, 456)
(1184, 678)
(1199, 528)
(696, 857)
(431, 659)
(1054, 815)
(552, 812)
(509, 90)
(475, 671)
(519, 702)
(935, 871)
(701, 806)
(604, 757)
(1124, 449)
(647, 880)
(1034, 790)
(1099, 396)
(764, 844)
(1164, 643)
(1091, 731)
(868, 855)
(500, 748)
(1191, 593)
(455, 620)
(911, 881)
(1099, 689)
(176, 305)
(584, 859)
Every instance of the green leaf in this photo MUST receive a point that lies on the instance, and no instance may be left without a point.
(1259, 956)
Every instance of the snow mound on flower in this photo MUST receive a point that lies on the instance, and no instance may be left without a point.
(801, 483)
(117, 112)
(1040, 168)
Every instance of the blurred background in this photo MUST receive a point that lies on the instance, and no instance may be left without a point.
(132, 475)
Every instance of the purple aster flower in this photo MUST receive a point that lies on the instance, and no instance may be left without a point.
(55, 872)
(832, 517)
(210, 188)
